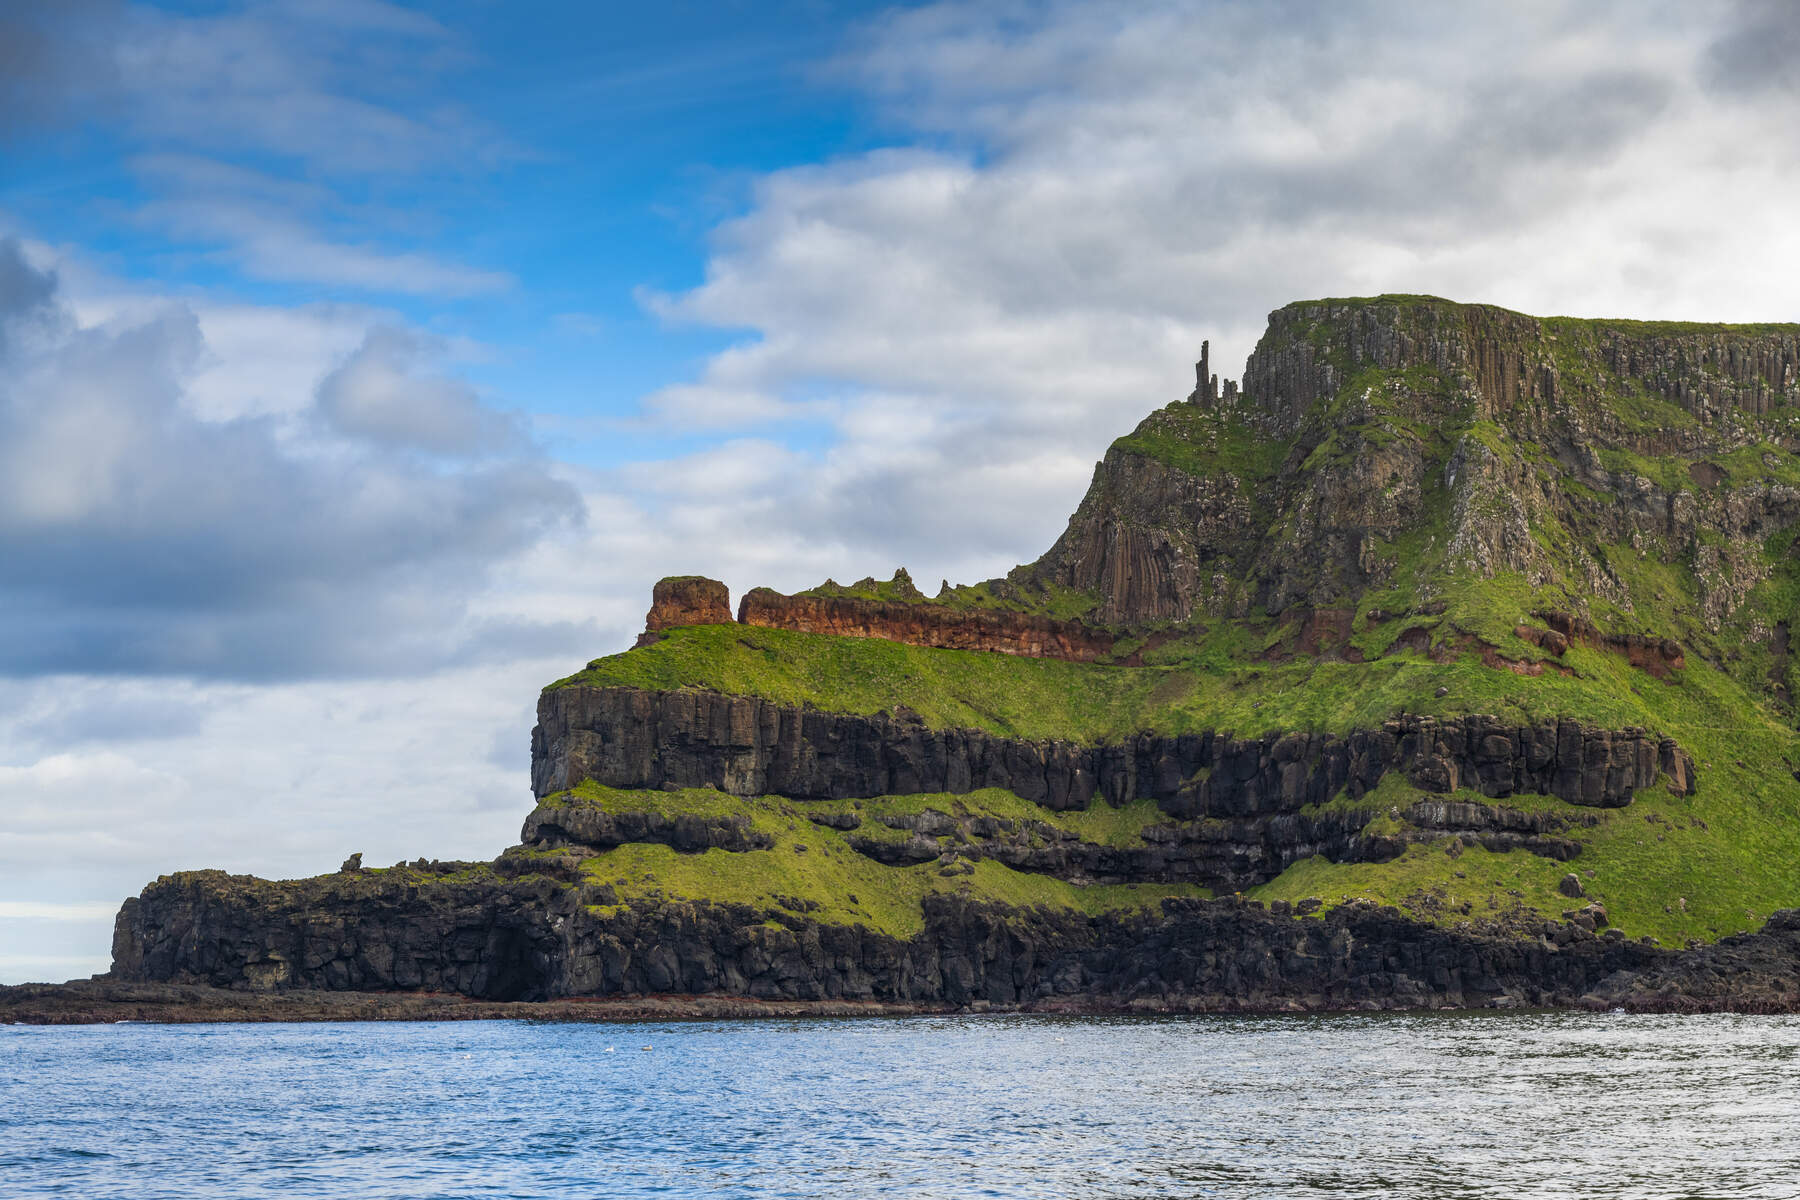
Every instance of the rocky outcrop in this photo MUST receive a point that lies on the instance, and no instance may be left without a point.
(1496, 827)
(399, 930)
(1509, 360)
(927, 624)
(1224, 855)
(1151, 537)
(630, 738)
(1359, 420)
(594, 828)
(535, 939)
(694, 600)
(687, 600)
(1749, 972)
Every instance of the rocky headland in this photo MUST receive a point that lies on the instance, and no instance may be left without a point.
(1445, 661)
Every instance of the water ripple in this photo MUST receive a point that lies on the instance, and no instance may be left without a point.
(1440, 1106)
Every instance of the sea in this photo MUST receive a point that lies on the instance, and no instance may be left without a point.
(1437, 1106)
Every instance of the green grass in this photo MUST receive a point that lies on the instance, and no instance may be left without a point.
(900, 588)
(1022, 594)
(812, 871)
(1207, 443)
(1209, 682)
(1661, 868)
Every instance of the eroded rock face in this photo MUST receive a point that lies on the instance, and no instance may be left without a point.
(1748, 972)
(1225, 855)
(687, 600)
(1656, 656)
(1299, 492)
(631, 738)
(1151, 538)
(924, 624)
(535, 939)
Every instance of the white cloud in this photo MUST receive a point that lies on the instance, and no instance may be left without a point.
(335, 86)
(321, 97)
(1095, 190)
(36, 910)
(380, 393)
(344, 538)
(296, 231)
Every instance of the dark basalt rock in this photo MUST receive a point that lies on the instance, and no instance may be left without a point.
(1748, 972)
(532, 939)
(630, 738)
(586, 825)
(1226, 855)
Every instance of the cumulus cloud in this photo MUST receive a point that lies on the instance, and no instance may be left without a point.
(1087, 192)
(82, 712)
(1758, 50)
(137, 536)
(283, 780)
(380, 394)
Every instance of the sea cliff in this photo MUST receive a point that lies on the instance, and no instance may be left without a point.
(1445, 661)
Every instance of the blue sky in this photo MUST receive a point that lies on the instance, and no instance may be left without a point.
(363, 363)
(560, 167)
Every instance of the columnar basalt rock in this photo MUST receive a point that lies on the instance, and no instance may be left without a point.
(1388, 408)
(1399, 482)
(1225, 855)
(630, 738)
(535, 940)
(593, 828)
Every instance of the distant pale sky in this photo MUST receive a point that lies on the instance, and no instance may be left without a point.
(362, 364)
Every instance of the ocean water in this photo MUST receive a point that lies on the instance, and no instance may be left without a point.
(1436, 1106)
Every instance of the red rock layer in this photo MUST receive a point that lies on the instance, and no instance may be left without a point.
(687, 600)
(1657, 656)
(1024, 634)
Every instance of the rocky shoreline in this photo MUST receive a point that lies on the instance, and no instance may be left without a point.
(1755, 973)
(536, 940)
(105, 1001)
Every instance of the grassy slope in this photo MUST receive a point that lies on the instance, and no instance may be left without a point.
(1675, 868)
(811, 870)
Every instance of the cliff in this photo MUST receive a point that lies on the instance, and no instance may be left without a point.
(749, 747)
(1392, 444)
(1445, 661)
(1192, 956)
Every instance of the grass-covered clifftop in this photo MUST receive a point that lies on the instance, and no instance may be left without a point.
(1389, 518)
(1671, 867)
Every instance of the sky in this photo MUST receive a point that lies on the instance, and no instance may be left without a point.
(363, 363)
